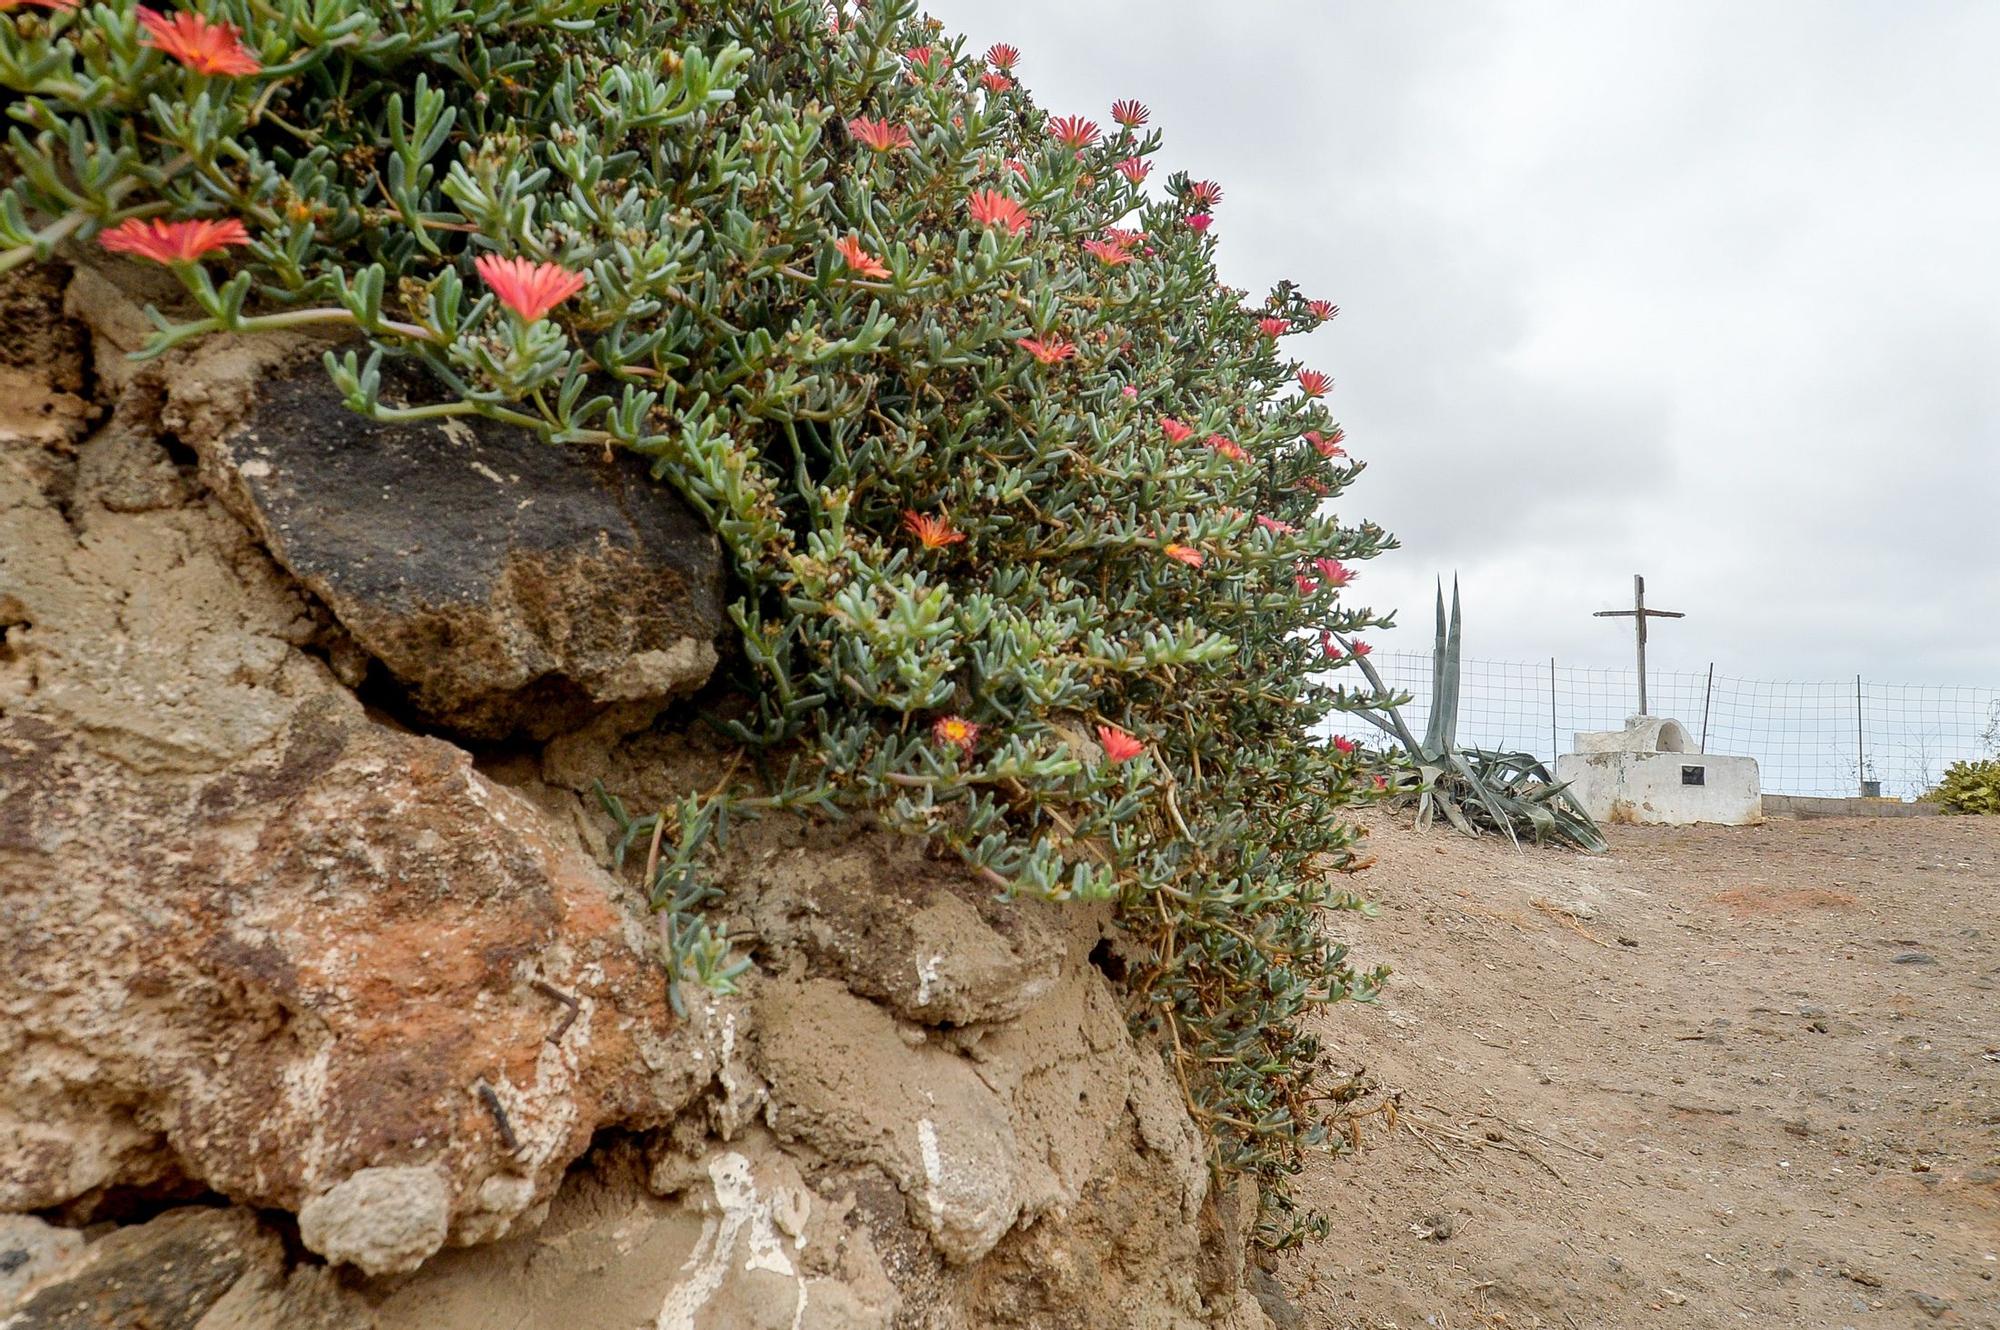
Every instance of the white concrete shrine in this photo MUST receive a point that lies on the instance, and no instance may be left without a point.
(1646, 773)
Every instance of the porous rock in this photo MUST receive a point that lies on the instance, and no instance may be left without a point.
(383, 1220)
(508, 584)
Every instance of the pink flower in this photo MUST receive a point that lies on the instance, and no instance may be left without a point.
(1274, 526)
(1048, 351)
(1336, 573)
(1123, 238)
(1274, 327)
(1361, 648)
(990, 207)
(858, 259)
(1130, 114)
(1328, 645)
(1227, 447)
(1201, 221)
(1203, 195)
(204, 47)
(172, 242)
(1324, 445)
(1107, 252)
(1186, 554)
(933, 533)
(1002, 56)
(994, 82)
(1306, 585)
(528, 288)
(1129, 391)
(1175, 431)
(1135, 169)
(955, 732)
(1313, 383)
(1073, 131)
(878, 134)
(1343, 745)
(1118, 745)
(1323, 309)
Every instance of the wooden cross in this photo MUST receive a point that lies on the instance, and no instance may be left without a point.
(1638, 614)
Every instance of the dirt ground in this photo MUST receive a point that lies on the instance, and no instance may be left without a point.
(1715, 1077)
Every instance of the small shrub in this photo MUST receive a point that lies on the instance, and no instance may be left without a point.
(1969, 787)
(1026, 511)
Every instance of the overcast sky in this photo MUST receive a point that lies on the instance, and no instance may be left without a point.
(1708, 291)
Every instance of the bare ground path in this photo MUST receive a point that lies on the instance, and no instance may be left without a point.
(1716, 1077)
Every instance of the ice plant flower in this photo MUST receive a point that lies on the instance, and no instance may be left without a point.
(989, 207)
(1118, 745)
(993, 82)
(932, 532)
(1175, 431)
(1313, 485)
(859, 259)
(1073, 131)
(1323, 309)
(1123, 238)
(1002, 57)
(1313, 383)
(1326, 446)
(1328, 645)
(1274, 526)
(1048, 351)
(1129, 391)
(204, 47)
(1343, 745)
(172, 242)
(1227, 447)
(1274, 328)
(528, 288)
(1203, 195)
(1361, 648)
(1107, 252)
(1187, 554)
(1129, 113)
(878, 134)
(955, 732)
(1017, 166)
(1336, 573)
(1135, 169)
(1306, 585)
(1201, 221)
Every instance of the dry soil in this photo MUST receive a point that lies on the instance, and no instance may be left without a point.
(1714, 1077)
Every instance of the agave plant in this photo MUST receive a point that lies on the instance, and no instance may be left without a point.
(1476, 789)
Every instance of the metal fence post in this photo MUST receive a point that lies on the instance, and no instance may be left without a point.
(1707, 694)
(1555, 748)
(1860, 743)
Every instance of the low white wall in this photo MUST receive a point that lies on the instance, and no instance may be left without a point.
(1647, 787)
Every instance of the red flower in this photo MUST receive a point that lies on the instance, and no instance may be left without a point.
(1048, 351)
(1313, 383)
(1174, 430)
(1118, 745)
(859, 259)
(1306, 585)
(1314, 485)
(989, 207)
(1274, 526)
(1002, 56)
(1017, 166)
(1073, 131)
(1187, 554)
(1328, 645)
(1201, 221)
(1227, 447)
(918, 55)
(995, 82)
(1123, 238)
(1203, 195)
(933, 533)
(1324, 446)
(1135, 169)
(204, 47)
(1274, 327)
(1343, 745)
(528, 288)
(1130, 114)
(1380, 783)
(1336, 573)
(878, 134)
(172, 242)
(955, 732)
(1361, 648)
(1107, 252)
(1323, 309)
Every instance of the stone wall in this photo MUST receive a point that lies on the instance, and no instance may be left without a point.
(321, 1008)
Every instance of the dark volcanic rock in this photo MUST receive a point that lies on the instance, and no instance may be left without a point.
(510, 585)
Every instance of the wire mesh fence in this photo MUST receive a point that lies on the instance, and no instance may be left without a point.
(1808, 738)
